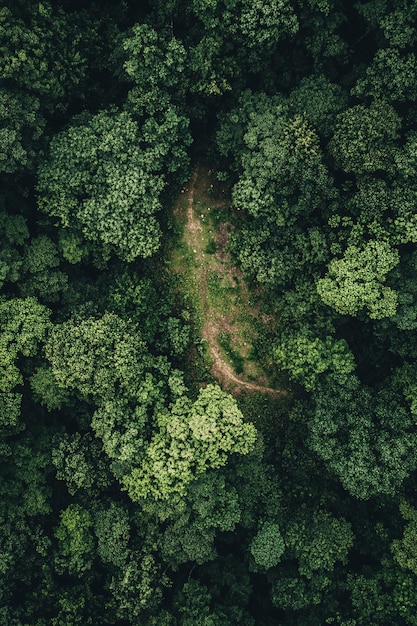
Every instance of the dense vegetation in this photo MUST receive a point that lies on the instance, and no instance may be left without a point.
(134, 490)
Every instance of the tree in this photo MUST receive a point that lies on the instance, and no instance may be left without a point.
(364, 139)
(318, 540)
(46, 390)
(284, 177)
(307, 357)
(14, 232)
(210, 507)
(112, 528)
(79, 462)
(22, 126)
(25, 543)
(228, 40)
(395, 22)
(94, 356)
(101, 183)
(122, 429)
(41, 52)
(193, 604)
(23, 326)
(365, 437)
(191, 439)
(356, 281)
(268, 546)
(76, 542)
(40, 264)
(404, 550)
(384, 594)
(319, 100)
(283, 185)
(390, 77)
(156, 66)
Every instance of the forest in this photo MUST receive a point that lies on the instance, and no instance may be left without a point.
(208, 313)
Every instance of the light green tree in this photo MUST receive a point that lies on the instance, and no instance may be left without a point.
(306, 357)
(76, 541)
(191, 439)
(357, 281)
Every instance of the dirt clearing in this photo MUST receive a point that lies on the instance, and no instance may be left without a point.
(227, 313)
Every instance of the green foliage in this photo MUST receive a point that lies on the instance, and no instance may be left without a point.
(46, 390)
(404, 550)
(94, 356)
(268, 545)
(75, 538)
(112, 528)
(233, 38)
(193, 604)
(41, 262)
(22, 126)
(307, 357)
(99, 181)
(211, 505)
(32, 58)
(121, 430)
(395, 23)
(14, 228)
(129, 494)
(318, 541)
(284, 177)
(319, 100)
(137, 589)
(23, 325)
(364, 138)
(79, 462)
(192, 438)
(155, 64)
(390, 77)
(385, 595)
(356, 281)
(25, 477)
(366, 437)
(294, 593)
(264, 23)
(179, 335)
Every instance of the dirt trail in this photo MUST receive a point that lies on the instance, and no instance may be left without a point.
(211, 330)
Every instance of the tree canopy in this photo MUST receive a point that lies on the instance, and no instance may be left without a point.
(221, 433)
